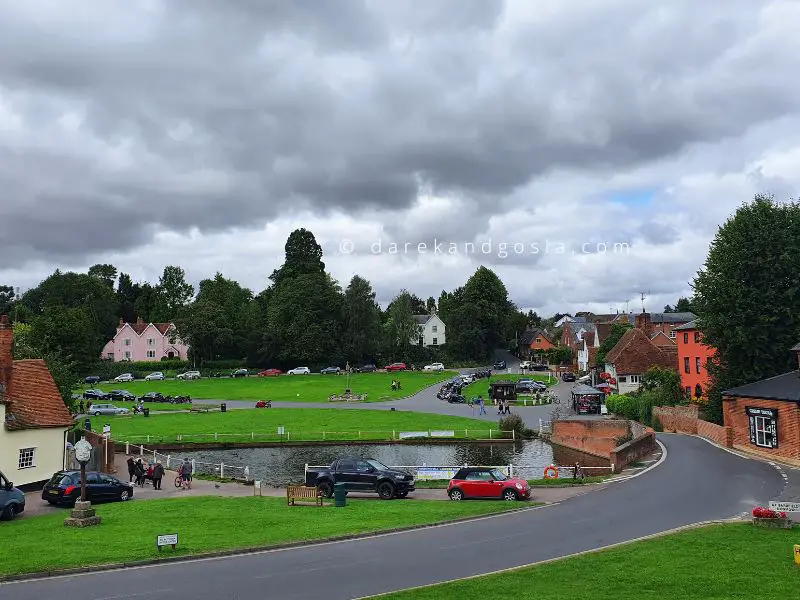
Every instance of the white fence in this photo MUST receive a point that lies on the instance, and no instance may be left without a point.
(317, 436)
(438, 472)
(220, 469)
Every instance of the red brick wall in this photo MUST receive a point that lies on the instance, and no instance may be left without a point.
(788, 426)
(632, 451)
(592, 437)
(685, 419)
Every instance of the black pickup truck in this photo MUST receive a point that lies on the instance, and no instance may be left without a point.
(362, 475)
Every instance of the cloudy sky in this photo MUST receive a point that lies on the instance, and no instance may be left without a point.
(201, 132)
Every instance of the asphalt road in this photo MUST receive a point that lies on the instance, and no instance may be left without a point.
(696, 482)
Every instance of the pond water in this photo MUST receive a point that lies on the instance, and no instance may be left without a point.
(280, 465)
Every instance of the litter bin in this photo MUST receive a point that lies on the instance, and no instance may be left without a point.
(223, 407)
(339, 495)
(87, 424)
(146, 412)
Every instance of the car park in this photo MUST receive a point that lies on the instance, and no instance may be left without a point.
(485, 482)
(107, 409)
(121, 396)
(330, 371)
(155, 376)
(95, 395)
(124, 377)
(188, 375)
(64, 488)
(12, 500)
(433, 367)
(362, 475)
(398, 366)
(152, 397)
(240, 373)
(270, 373)
(92, 379)
(299, 371)
(499, 365)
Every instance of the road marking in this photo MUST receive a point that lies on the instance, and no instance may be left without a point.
(121, 596)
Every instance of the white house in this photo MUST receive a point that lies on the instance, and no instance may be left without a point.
(34, 418)
(565, 319)
(431, 331)
(590, 342)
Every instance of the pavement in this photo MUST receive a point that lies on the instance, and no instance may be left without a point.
(697, 482)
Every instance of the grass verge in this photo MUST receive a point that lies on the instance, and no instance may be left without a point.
(715, 562)
(481, 387)
(207, 524)
(291, 388)
(301, 424)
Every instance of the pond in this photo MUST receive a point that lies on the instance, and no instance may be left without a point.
(280, 465)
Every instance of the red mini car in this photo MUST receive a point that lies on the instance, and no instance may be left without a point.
(396, 367)
(485, 482)
(270, 373)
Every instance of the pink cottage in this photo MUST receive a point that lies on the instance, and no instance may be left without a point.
(142, 341)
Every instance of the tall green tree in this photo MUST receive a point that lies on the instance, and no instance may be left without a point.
(362, 325)
(430, 305)
(747, 296)
(6, 299)
(401, 328)
(127, 293)
(303, 256)
(173, 293)
(105, 273)
(66, 331)
(144, 307)
(61, 366)
(205, 328)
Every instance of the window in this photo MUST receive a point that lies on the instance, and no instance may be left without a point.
(686, 368)
(763, 426)
(27, 458)
(688, 391)
(480, 476)
(623, 379)
(696, 337)
(151, 342)
(127, 341)
(538, 340)
(435, 341)
(127, 356)
(673, 334)
(434, 329)
(634, 378)
(685, 338)
(347, 466)
(697, 365)
(110, 356)
(363, 466)
(151, 354)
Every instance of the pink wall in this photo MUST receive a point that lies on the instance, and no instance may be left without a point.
(151, 340)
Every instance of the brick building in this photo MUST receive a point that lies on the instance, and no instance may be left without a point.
(633, 356)
(693, 359)
(765, 415)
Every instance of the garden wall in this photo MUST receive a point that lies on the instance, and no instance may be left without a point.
(597, 438)
(686, 419)
(629, 452)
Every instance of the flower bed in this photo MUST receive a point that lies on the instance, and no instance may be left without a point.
(766, 517)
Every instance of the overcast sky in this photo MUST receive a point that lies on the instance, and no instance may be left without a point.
(201, 132)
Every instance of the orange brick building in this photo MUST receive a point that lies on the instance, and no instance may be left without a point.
(535, 343)
(693, 359)
(765, 416)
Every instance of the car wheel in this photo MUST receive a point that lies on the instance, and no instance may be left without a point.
(456, 494)
(402, 494)
(95, 414)
(510, 495)
(386, 490)
(9, 513)
(326, 489)
(124, 496)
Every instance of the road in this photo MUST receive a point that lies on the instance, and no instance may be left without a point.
(696, 482)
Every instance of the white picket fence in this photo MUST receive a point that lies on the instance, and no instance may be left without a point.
(316, 436)
(218, 469)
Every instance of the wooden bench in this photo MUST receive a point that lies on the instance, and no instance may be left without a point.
(203, 408)
(348, 398)
(309, 496)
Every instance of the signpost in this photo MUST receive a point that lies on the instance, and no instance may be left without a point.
(83, 515)
(787, 507)
(170, 539)
(83, 453)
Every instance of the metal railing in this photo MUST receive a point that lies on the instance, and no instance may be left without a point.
(317, 436)
(220, 469)
(448, 471)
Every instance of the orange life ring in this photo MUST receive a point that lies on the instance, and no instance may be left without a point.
(551, 472)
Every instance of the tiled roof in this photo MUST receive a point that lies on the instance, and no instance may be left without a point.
(661, 339)
(140, 326)
(603, 329)
(781, 387)
(421, 319)
(680, 317)
(635, 353)
(693, 324)
(33, 399)
(588, 337)
(526, 339)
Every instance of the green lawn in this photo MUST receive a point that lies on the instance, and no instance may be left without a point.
(719, 562)
(203, 524)
(302, 424)
(294, 388)
(481, 387)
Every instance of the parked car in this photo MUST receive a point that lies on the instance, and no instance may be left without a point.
(152, 397)
(485, 482)
(468, 378)
(396, 367)
(121, 396)
(124, 377)
(240, 373)
(155, 376)
(92, 379)
(456, 398)
(366, 369)
(362, 475)
(187, 375)
(525, 364)
(529, 385)
(64, 488)
(299, 371)
(569, 377)
(12, 500)
(270, 373)
(95, 395)
(540, 367)
(330, 371)
(499, 365)
(433, 367)
(107, 409)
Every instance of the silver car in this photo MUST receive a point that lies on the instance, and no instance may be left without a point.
(107, 409)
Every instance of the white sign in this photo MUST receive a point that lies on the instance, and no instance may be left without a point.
(83, 451)
(281, 430)
(413, 434)
(443, 434)
(435, 473)
(787, 507)
(167, 540)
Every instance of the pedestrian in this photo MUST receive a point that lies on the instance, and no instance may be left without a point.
(139, 472)
(80, 407)
(131, 469)
(158, 475)
(481, 406)
(186, 474)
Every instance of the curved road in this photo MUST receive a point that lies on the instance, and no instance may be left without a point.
(696, 482)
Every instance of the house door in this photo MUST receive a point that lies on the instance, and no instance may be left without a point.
(170, 354)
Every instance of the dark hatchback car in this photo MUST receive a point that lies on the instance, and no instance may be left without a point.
(121, 396)
(568, 377)
(499, 365)
(92, 379)
(152, 397)
(94, 395)
(64, 488)
(366, 369)
(240, 373)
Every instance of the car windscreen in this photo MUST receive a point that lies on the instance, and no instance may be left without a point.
(498, 475)
(378, 465)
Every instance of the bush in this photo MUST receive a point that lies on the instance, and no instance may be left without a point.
(656, 424)
(516, 424)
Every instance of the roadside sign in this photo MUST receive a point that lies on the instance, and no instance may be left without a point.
(281, 431)
(170, 539)
(787, 507)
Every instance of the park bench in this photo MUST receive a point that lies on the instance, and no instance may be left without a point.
(348, 398)
(204, 408)
(306, 495)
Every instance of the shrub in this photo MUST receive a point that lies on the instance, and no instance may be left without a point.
(514, 423)
(656, 424)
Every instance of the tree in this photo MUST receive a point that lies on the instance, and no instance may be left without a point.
(173, 293)
(206, 329)
(6, 299)
(303, 256)
(361, 315)
(401, 327)
(683, 305)
(61, 367)
(534, 320)
(747, 296)
(616, 331)
(430, 305)
(127, 293)
(560, 355)
(105, 273)
(144, 306)
(66, 331)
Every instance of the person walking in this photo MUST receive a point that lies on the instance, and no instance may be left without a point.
(186, 474)
(481, 405)
(158, 475)
(131, 469)
(139, 472)
(81, 407)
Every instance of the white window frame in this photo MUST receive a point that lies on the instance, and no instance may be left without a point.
(435, 342)
(151, 342)
(434, 329)
(763, 427)
(127, 341)
(27, 458)
(672, 334)
(127, 355)
(151, 354)
(634, 379)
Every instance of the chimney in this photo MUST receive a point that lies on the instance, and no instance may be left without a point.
(6, 351)
(644, 323)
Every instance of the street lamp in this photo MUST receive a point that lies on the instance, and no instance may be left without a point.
(83, 515)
